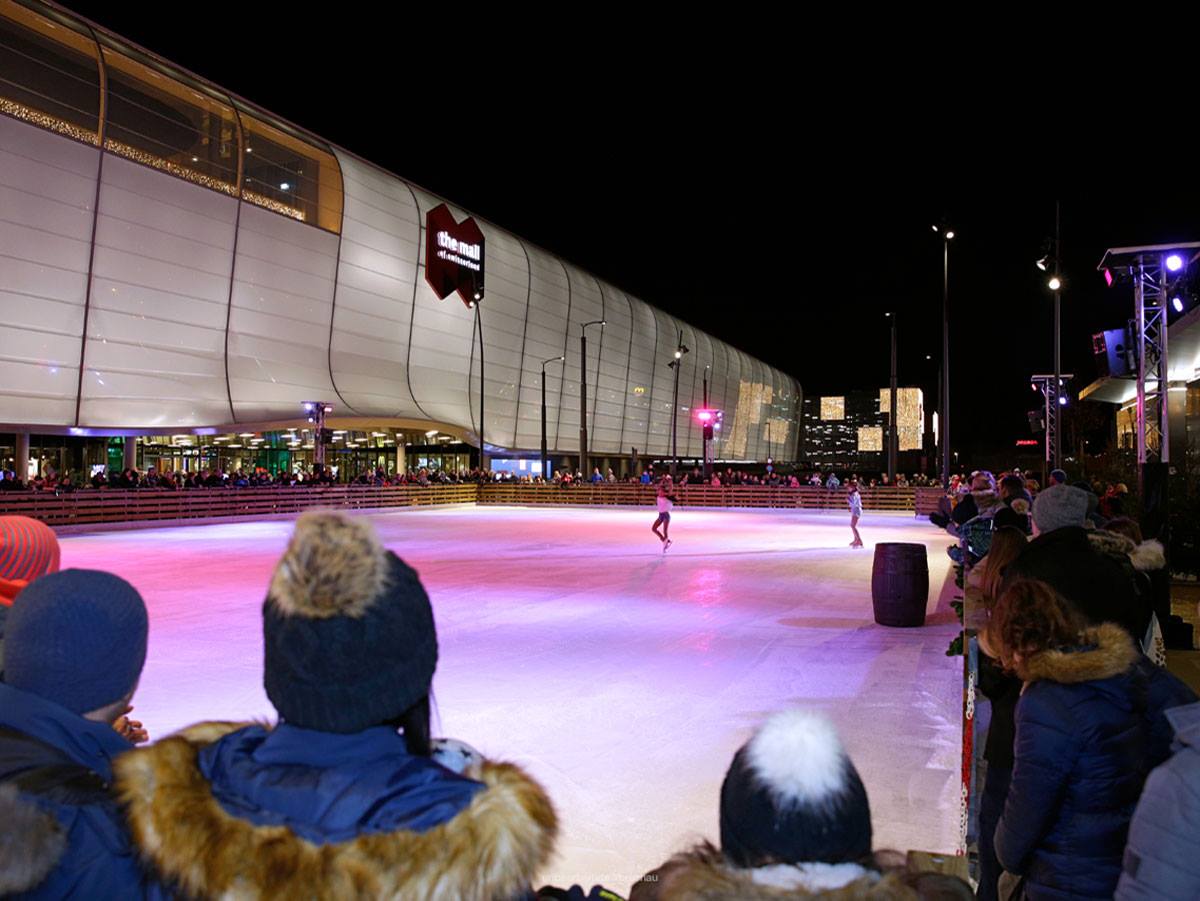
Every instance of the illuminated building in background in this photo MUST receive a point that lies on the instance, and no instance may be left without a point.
(849, 431)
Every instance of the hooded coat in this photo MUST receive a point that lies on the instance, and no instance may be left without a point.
(1162, 857)
(1081, 739)
(222, 810)
(704, 874)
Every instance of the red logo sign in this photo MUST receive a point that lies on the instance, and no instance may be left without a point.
(453, 256)
(1027, 442)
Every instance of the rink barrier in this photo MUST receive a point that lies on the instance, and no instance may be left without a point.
(84, 508)
(89, 507)
(741, 496)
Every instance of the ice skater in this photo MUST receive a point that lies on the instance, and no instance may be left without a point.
(666, 500)
(854, 499)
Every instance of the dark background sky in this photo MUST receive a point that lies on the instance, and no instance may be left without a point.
(772, 186)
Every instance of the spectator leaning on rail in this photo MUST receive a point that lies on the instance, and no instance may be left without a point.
(333, 801)
(75, 648)
(1080, 743)
(795, 823)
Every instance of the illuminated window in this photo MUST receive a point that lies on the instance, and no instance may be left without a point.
(870, 438)
(833, 408)
(910, 419)
(158, 121)
(49, 74)
(290, 176)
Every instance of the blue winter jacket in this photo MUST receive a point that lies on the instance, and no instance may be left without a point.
(1081, 739)
(1162, 858)
(289, 812)
(97, 859)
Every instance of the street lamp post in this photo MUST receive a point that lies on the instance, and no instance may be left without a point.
(676, 364)
(944, 428)
(583, 430)
(545, 453)
(893, 435)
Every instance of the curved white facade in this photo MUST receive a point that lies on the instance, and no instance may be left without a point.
(188, 308)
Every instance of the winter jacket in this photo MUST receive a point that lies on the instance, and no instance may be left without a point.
(223, 809)
(1102, 586)
(1016, 513)
(1080, 744)
(1162, 858)
(1148, 559)
(1164, 692)
(703, 874)
(64, 836)
(977, 503)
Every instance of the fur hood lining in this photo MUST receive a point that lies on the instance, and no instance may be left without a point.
(1107, 651)
(493, 848)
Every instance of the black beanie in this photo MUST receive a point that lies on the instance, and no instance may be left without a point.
(348, 633)
(792, 796)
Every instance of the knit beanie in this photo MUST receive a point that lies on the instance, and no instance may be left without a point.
(28, 549)
(1058, 507)
(347, 629)
(792, 796)
(77, 638)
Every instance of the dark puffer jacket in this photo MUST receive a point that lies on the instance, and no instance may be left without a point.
(1080, 744)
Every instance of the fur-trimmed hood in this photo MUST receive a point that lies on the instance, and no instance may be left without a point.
(492, 848)
(703, 874)
(987, 500)
(31, 843)
(1145, 557)
(1105, 651)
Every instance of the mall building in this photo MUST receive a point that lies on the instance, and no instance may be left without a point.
(181, 270)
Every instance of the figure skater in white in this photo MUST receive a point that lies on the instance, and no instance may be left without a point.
(666, 500)
(854, 499)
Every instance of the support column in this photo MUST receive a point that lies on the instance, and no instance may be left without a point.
(21, 457)
(130, 452)
(401, 456)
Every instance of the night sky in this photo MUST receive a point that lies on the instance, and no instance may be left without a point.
(724, 175)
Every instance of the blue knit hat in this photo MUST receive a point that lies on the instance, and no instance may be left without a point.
(348, 634)
(77, 638)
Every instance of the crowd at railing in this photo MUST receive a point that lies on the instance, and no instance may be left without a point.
(348, 793)
(1092, 747)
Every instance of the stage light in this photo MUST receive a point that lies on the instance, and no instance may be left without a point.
(1174, 262)
(935, 228)
(1108, 277)
(285, 186)
(678, 354)
(1055, 283)
(1043, 263)
(1177, 303)
(1062, 400)
(949, 236)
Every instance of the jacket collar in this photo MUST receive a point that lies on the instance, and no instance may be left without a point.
(1185, 721)
(93, 745)
(492, 848)
(1106, 651)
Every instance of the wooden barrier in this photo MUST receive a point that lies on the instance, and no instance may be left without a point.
(754, 496)
(89, 507)
(83, 508)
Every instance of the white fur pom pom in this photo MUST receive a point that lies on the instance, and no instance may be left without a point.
(797, 754)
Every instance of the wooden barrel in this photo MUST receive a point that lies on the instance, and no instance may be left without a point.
(900, 584)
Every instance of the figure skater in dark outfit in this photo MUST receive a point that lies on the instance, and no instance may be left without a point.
(665, 499)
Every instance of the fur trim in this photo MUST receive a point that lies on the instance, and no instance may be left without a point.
(796, 754)
(1111, 543)
(987, 500)
(1108, 651)
(31, 843)
(492, 849)
(1148, 556)
(702, 874)
(333, 566)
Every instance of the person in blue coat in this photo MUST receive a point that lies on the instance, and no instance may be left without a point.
(1081, 738)
(346, 796)
(75, 648)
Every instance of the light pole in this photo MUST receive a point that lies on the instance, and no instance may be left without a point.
(545, 453)
(676, 364)
(704, 428)
(1054, 392)
(892, 433)
(944, 430)
(583, 431)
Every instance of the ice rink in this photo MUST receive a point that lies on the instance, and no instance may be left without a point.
(622, 678)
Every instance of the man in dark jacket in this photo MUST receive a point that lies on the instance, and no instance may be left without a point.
(1162, 857)
(1102, 587)
(74, 651)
